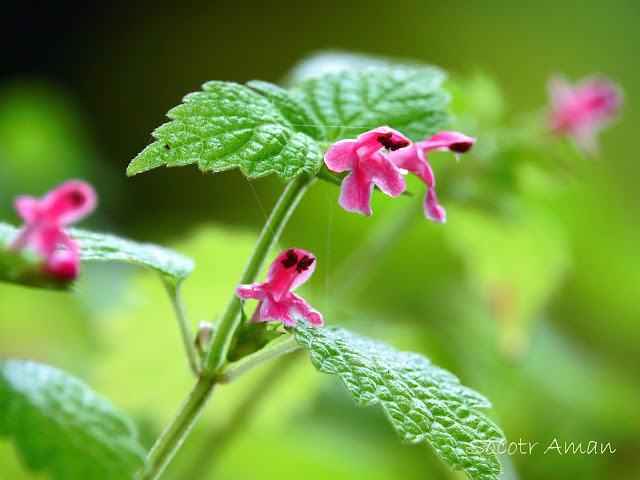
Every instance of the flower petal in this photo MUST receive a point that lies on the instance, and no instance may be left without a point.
(432, 209)
(69, 202)
(601, 100)
(453, 141)
(289, 270)
(308, 313)
(559, 89)
(46, 240)
(272, 311)
(341, 155)
(379, 138)
(373, 136)
(27, 207)
(413, 160)
(65, 263)
(580, 111)
(255, 291)
(355, 192)
(386, 175)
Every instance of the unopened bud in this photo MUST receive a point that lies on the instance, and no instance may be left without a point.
(203, 337)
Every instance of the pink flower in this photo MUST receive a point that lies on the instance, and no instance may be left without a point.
(368, 167)
(580, 111)
(45, 220)
(288, 271)
(414, 160)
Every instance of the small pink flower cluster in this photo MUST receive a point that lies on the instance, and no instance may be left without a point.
(581, 110)
(288, 271)
(45, 221)
(370, 166)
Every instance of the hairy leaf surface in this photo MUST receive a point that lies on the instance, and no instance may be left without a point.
(423, 402)
(56, 422)
(228, 125)
(25, 268)
(407, 98)
(261, 128)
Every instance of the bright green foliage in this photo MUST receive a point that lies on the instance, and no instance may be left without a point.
(104, 247)
(58, 423)
(351, 102)
(295, 112)
(252, 337)
(261, 128)
(515, 265)
(422, 401)
(229, 125)
(25, 268)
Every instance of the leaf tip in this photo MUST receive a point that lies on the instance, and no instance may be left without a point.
(147, 159)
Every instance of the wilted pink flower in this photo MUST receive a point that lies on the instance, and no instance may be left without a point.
(45, 221)
(288, 271)
(580, 111)
(414, 160)
(368, 167)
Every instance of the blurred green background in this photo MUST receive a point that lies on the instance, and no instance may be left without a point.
(534, 304)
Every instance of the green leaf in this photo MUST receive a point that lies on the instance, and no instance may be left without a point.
(105, 247)
(58, 423)
(261, 128)
(24, 268)
(422, 401)
(295, 112)
(229, 126)
(252, 337)
(350, 102)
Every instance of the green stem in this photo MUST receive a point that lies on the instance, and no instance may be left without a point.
(274, 349)
(201, 463)
(173, 291)
(171, 439)
(268, 237)
(177, 430)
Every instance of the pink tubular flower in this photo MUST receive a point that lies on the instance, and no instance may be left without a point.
(368, 167)
(288, 271)
(579, 111)
(414, 160)
(45, 220)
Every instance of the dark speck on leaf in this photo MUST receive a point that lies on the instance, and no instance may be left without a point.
(167, 146)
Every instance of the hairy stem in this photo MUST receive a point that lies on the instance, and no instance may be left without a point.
(186, 334)
(177, 430)
(268, 237)
(171, 439)
(201, 463)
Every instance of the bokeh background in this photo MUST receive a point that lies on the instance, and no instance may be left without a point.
(532, 300)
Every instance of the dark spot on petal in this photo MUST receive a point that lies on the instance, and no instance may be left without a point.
(76, 198)
(304, 263)
(385, 139)
(386, 142)
(460, 147)
(399, 144)
(290, 260)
